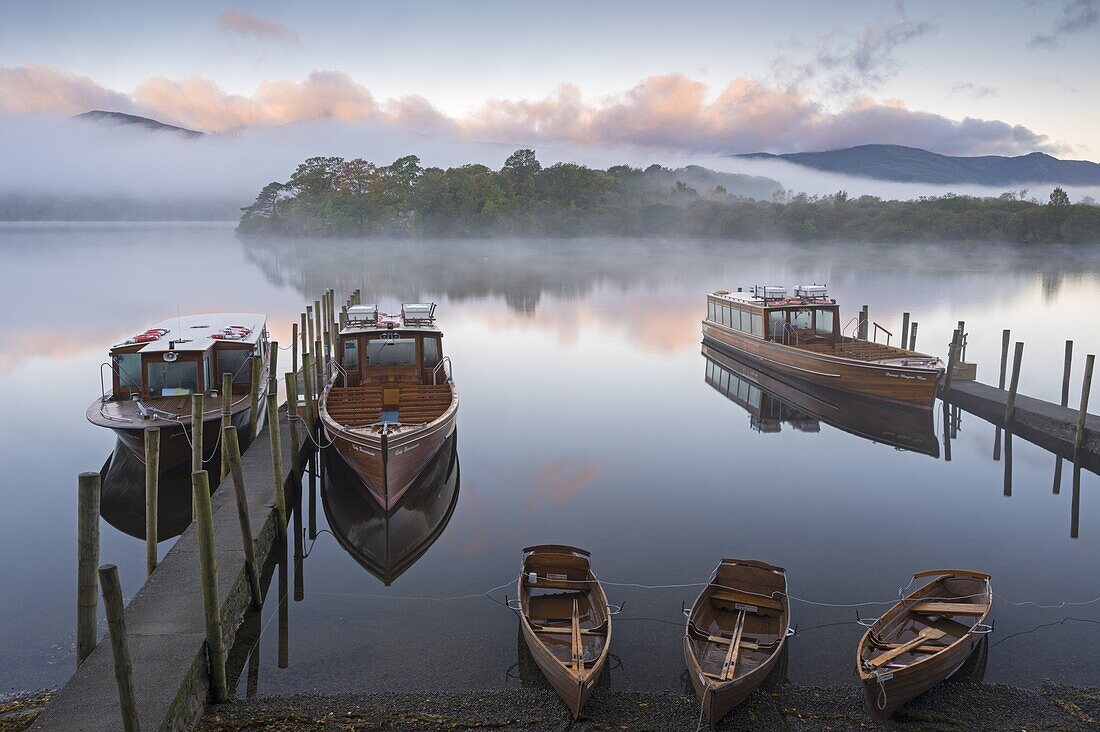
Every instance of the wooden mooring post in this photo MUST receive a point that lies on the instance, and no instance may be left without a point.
(272, 367)
(307, 377)
(208, 565)
(292, 418)
(152, 488)
(1086, 387)
(952, 359)
(320, 365)
(904, 331)
(87, 548)
(232, 447)
(913, 336)
(196, 431)
(1013, 385)
(227, 417)
(254, 399)
(1066, 366)
(310, 327)
(120, 646)
(294, 347)
(1006, 337)
(278, 476)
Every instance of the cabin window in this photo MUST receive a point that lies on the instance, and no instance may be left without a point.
(234, 361)
(431, 353)
(350, 361)
(391, 352)
(825, 322)
(724, 314)
(742, 390)
(710, 311)
(206, 373)
(802, 319)
(177, 378)
(776, 320)
(129, 370)
(757, 324)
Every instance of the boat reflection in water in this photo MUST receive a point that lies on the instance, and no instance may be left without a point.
(771, 402)
(122, 496)
(387, 543)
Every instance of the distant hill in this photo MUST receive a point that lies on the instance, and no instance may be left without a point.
(913, 165)
(120, 118)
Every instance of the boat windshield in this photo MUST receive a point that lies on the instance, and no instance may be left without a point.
(391, 352)
(176, 378)
(129, 370)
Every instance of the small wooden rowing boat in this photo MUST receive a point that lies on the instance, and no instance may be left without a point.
(155, 373)
(800, 336)
(565, 619)
(391, 402)
(735, 633)
(924, 638)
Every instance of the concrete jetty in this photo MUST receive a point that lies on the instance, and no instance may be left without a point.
(164, 620)
(1048, 425)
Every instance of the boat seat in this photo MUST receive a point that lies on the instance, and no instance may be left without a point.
(738, 601)
(935, 607)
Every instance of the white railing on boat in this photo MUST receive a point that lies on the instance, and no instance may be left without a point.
(445, 366)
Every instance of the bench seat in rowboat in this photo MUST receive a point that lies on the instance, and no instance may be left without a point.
(932, 607)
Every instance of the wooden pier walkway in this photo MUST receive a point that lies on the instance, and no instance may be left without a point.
(165, 621)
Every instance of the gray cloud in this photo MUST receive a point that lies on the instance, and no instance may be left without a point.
(974, 91)
(1077, 16)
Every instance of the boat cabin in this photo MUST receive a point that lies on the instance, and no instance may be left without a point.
(378, 348)
(769, 313)
(187, 355)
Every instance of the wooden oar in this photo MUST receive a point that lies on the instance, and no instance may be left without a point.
(926, 634)
(578, 646)
(730, 665)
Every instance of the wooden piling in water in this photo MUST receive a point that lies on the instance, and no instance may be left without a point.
(962, 341)
(905, 330)
(254, 398)
(152, 488)
(232, 447)
(196, 431)
(307, 378)
(1066, 366)
(227, 417)
(120, 647)
(292, 418)
(208, 565)
(861, 331)
(272, 366)
(913, 336)
(302, 336)
(294, 347)
(952, 359)
(1086, 387)
(1005, 338)
(320, 364)
(1014, 383)
(278, 476)
(309, 320)
(87, 559)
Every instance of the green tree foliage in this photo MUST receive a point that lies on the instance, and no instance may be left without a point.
(330, 196)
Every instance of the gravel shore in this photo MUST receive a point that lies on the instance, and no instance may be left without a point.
(951, 706)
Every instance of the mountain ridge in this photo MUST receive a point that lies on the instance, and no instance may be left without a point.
(905, 164)
(103, 116)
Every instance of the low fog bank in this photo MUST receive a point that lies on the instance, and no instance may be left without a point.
(51, 160)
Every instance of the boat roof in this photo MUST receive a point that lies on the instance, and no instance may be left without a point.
(417, 317)
(773, 298)
(357, 328)
(196, 332)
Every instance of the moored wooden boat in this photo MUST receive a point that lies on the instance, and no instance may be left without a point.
(565, 619)
(924, 638)
(801, 336)
(154, 374)
(736, 632)
(391, 402)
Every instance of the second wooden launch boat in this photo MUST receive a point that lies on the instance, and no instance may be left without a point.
(565, 619)
(735, 633)
(924, 638)
(155, 373)
(800, 336)
(391, 402)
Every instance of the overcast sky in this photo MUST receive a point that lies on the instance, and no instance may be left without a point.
(1004, 77)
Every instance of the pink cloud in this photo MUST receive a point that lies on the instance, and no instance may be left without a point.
(46, 90)
(670, 112)
(234, 21)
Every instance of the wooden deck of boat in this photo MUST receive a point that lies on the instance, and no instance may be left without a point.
(178, 405)
(859, 350)
(359, 406)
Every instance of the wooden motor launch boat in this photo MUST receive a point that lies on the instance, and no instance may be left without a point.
(924, 638)
(387, 543)
(155, 373)
(565, 619)
(801, 336)
(772, 402)
(391, 402)
(735, 634)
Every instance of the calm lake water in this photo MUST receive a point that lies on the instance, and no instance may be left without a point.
(586, 418)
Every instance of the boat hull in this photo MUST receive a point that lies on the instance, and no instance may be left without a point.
(387, 467)
(910, 386)
(903, 687)
(175, 445)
